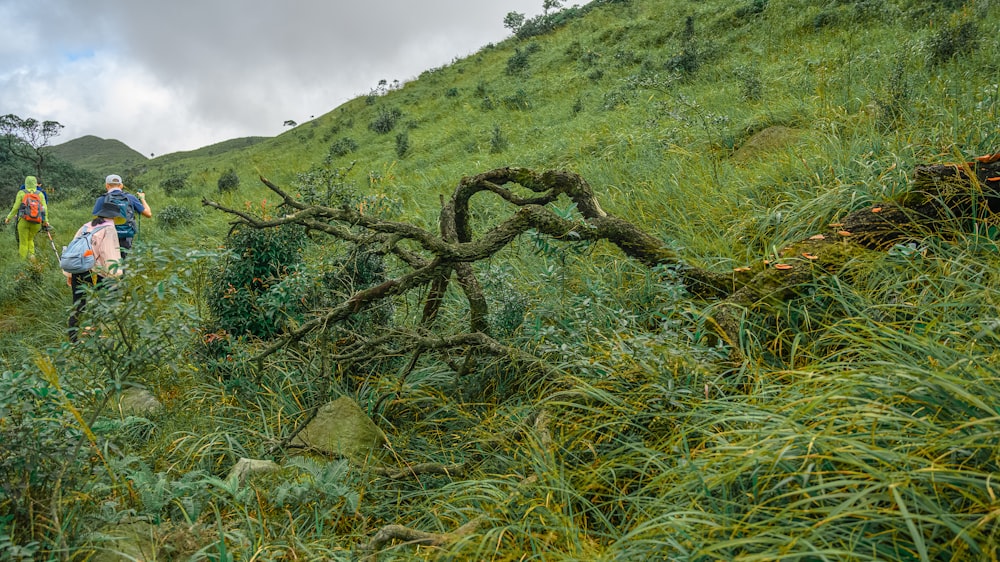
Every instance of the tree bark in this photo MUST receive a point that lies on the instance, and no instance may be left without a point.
(940, 193)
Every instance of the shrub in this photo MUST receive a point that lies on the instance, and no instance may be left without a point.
(173, 184)
(826, 18)
(518, 62)
(498, 142)
(257, 261)
(751, 86)
(518, 101)
(891, 106)
(402, 144)
(323, 185)
(952, 41)
(543, 23)
(343, 146)
(451, 93)
(385, 120)
(40, 438)
(687, 60)
(750, 9)
(173, 216)
(228, 181)
(625, 58)
(589, 58)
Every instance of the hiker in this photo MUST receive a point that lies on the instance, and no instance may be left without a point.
(129, 204)
(31, 211)
(107, 258)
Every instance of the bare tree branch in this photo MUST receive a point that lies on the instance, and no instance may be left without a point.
(941, 192)
(390, 533)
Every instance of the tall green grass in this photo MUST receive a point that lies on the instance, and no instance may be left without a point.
(860, 423)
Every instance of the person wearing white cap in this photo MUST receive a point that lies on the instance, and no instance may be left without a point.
(130, 205)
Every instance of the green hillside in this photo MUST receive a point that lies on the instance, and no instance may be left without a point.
(210, 151)
(97, 155)
(548, 274)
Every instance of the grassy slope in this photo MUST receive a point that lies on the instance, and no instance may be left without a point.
(102, 156)
(863, 430)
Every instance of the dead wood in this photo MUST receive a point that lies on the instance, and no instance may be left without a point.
(941, 194)
(390, 533)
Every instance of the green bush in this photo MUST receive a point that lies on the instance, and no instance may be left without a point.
(258, 260)
(173, 216)
(325, 185)
(385, 120)
(40, 439)
(342, 147)
(228, 181)
(952, 41)
(173, 184)
(518, 62)
(402, 144)
(498, 141)
(751, 85)
(518, 101)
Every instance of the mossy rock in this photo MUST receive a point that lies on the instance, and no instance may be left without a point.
(341, 428)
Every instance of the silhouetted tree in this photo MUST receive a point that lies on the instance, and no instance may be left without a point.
(25, 138)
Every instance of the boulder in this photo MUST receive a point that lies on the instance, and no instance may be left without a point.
(137, 401)
(247, 467)
(342, 428)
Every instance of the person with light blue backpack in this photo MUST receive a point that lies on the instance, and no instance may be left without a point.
(106, 261)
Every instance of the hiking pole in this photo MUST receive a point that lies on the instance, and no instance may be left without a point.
(48, 232)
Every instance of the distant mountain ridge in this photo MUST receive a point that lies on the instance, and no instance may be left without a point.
(102, 156)
(212, 149)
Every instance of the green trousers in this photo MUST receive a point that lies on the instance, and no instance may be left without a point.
(26, 232)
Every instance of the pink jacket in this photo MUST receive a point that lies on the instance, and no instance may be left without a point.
(106, 249)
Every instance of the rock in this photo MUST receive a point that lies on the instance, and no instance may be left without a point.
(138, 402)
(767, 141)
(342, 428)
(247, 467)
(126, 542)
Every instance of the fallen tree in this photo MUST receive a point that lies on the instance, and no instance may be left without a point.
(941, 193)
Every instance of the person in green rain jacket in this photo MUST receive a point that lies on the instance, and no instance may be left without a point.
(31, 210)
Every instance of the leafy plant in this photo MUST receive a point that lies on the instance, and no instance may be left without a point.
(342, 147)
(952, 41)
(518, 62)
(256, 261)
(402, 144)
(174, 184)
(385, 120)
(228, 181)
(175, 216)
(40, 439)
(498, 140)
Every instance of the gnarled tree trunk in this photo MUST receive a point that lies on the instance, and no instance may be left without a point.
(940, 192)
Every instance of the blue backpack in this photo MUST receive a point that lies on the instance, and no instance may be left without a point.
(125, 224)
(79, 256)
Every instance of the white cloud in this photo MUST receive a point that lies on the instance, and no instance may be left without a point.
(169, 76)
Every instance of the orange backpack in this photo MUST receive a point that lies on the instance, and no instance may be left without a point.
(31, 207)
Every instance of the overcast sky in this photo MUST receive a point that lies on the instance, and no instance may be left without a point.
(169, 75)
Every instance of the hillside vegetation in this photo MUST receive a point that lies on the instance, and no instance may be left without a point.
(554, 397)
(97, 155)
